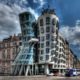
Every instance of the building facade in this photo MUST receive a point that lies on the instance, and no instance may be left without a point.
(51, 49)
(50, 54)
(9, 48)
(23, 63)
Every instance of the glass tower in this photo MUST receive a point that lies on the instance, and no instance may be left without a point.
(25, 56)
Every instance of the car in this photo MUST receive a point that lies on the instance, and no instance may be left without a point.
(50, 74)
(71, 72)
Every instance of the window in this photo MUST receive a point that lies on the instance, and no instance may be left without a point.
(52, 38)
(28, 56)
(53, 45)
(1, 46)
(60, 49)
(47, 57)
(24, 17)
(24, 39)
(60, 44)
(55, 59)
(8, 44)
(24, 32)
(52, 52)
(41, 58)
(22, 57)
(20, 43)
(8, 56)
(41, 22)
(42, 52)
(52, 59)
(48, 29)
(27, 17)
(47, 36)
(52, 30)
(42, 30)
(14, 43)
(23, 25)
(58, 65)
(42, 38)
(57, 32)
(29, 31)
(42, 45)
(47, 43)
(57, 48)
(20, 38)
(27, 23)
(47, 50)
(3, 54)
(57, 24)
(54, 21)
(14, 51)
(28, 38)
(47, 20)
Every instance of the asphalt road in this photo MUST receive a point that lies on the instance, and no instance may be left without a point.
(38, 78)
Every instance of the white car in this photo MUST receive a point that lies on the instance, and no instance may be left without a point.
(50, 74)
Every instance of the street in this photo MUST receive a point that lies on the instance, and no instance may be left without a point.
(38, 78)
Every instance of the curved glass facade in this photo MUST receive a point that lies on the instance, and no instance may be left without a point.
(26, 54)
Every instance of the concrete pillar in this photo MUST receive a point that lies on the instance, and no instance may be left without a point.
(63, 71)
(21, 69)
(32, 68)
(16, 69)
(27, 69)
(13, 69)
(59, 71)
(36, 69)
(46, 69)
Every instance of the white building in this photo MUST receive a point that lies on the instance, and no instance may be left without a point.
(48, 56)
(51, 52)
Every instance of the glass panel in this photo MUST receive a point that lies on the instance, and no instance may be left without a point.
(47, 36)
(47, 20)
(47, 50)
(47, 43)
(48, 29)
(41, 22)
(47, 57)
(28, 56)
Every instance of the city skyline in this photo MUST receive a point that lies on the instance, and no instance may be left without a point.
(67, 11)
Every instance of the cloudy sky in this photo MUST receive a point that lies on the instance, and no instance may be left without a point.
(67, 10)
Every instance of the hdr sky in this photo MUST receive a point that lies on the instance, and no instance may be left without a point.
(68, 12)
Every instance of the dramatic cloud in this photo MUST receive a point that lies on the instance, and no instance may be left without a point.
(67, 10)
(72, 34)
(41, 2)
(9, 21)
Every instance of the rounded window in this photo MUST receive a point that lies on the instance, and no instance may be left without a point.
(54, 21)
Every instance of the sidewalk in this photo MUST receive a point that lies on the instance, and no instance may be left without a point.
(38, 77)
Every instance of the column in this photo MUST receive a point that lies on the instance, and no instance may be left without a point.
(27, 69)
(46, 69)
(21, 69)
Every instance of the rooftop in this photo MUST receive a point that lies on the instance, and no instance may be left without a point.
(48, 10)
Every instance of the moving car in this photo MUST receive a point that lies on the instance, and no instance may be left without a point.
(71, 72)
